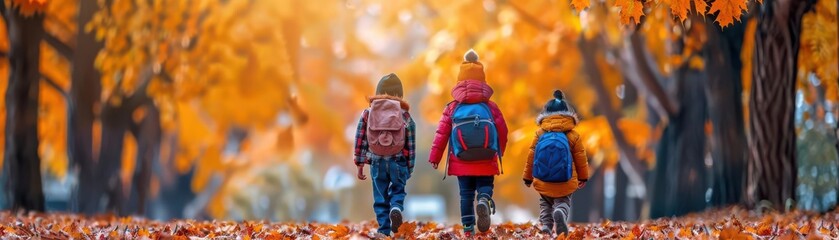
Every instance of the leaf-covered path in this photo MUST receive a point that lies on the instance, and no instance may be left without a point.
(732, 223)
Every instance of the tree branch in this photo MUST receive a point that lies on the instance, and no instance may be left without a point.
(50, 82)
(530, 18)
(59, 46)
(640, 71)
(4, 13)
(589, 51)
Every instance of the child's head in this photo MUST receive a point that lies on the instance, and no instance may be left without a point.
(390, 85)
(558, 104)
(471, 69)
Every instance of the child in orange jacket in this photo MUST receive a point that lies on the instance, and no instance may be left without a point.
(557, 164)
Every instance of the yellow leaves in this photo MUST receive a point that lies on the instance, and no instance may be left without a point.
(580, 4)
(728, 10)
(746, 56)
(630, 9)
(819, 46)
(129, 157)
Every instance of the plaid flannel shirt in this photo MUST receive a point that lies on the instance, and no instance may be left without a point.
(362, 148)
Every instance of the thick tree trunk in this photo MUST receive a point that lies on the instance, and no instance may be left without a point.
(22, 168)
(681, 153)
(772, 164)
(84, 96)
(723, 90)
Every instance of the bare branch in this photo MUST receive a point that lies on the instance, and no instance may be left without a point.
(59, 46)
(639, 69)
(53, 84)
(529, 18)
(589, 50)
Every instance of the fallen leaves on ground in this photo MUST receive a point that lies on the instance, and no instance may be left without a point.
(729, 223)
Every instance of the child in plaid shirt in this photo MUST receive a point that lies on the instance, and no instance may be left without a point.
(394, 164)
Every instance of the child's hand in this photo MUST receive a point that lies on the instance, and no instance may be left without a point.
(435, 165)
(361, 173)
(581, 185)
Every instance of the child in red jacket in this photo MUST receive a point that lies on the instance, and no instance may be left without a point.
(478, 135)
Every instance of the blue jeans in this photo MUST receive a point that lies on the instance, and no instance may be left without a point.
(469, 185)
(389, 178)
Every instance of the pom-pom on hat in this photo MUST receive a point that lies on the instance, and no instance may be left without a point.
(557, 104)
(471, 69)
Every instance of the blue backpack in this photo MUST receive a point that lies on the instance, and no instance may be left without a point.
(473, 136)
(552, 161)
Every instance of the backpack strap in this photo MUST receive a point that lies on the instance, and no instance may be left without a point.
(497, 142)
(449, 152)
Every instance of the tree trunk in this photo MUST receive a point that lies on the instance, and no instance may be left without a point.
(22, 168)
(681, 153)
(772, 164)
(84, 96)
(115, 123)
(723, 89)
(148, 134)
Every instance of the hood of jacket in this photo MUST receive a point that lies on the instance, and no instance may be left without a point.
(557, 121)
(471, 91)
(402, 102)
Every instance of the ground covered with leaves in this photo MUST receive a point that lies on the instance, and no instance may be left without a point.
(731, 223)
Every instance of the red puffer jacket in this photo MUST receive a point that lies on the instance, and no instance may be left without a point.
(468, 91)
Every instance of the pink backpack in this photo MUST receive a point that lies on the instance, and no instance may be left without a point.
(385, 127)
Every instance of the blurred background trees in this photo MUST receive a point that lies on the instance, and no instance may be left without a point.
(246, 109)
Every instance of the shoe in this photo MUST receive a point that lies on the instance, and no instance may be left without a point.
(468, 231)
(546, 230)
(483, 211)
(395, 219)
(559, 220)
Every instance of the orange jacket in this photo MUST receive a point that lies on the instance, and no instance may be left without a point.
(559, 122)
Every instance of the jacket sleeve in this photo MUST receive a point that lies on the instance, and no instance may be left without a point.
(361, 146)
(410, 140)
(441, 138)
(578, 152)
(500, 126)
(528, 166)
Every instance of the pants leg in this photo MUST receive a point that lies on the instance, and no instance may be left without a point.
(484, 185)
(467, 199)
(399, 178)
(381, 194)
(545, 212)
(563, 204)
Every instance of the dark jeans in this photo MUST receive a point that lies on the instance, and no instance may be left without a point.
(469, 185)
(389, 178)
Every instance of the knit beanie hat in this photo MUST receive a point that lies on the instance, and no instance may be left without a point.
(471, 69)
(390, 85)
(557, 104)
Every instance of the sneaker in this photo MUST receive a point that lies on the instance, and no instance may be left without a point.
(483, 212)
(545, 230)
(468, 231)
(559, 220)
(395, 219)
